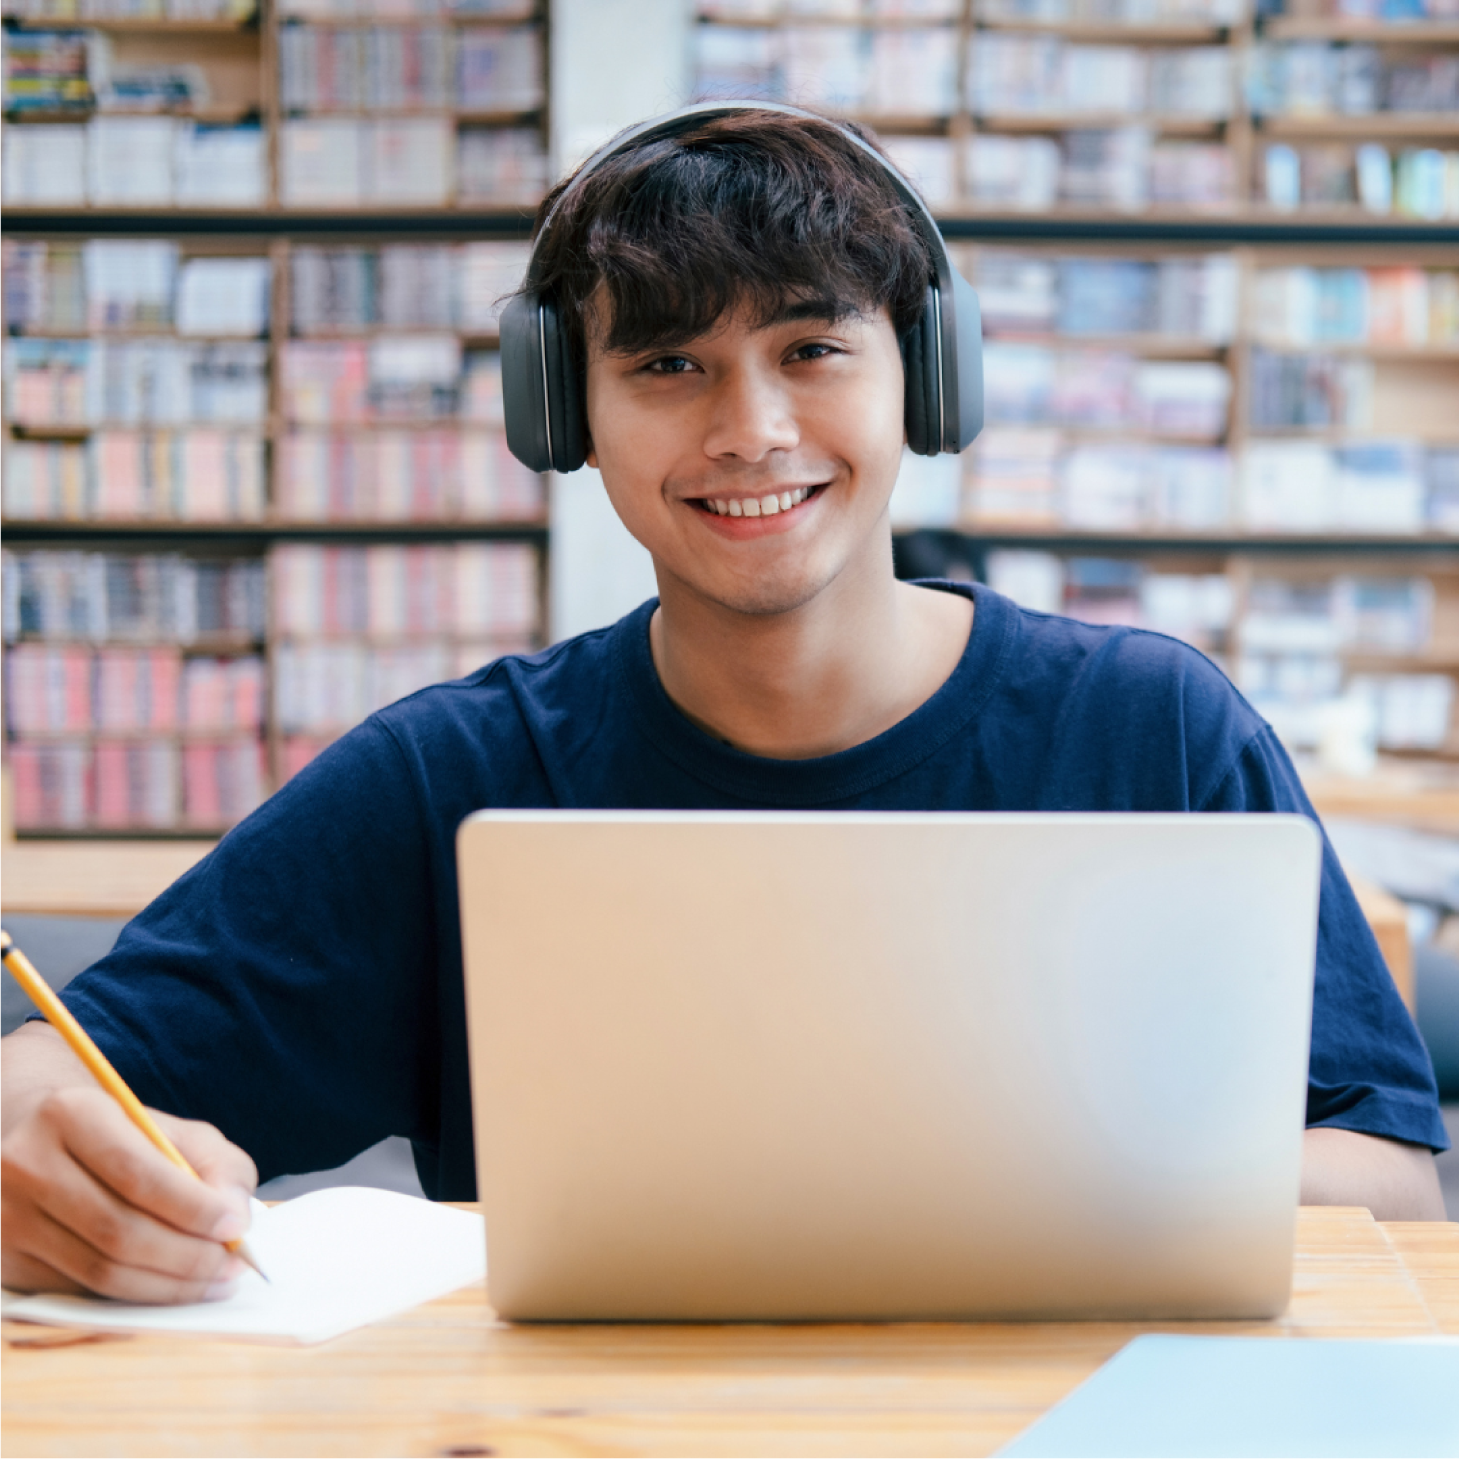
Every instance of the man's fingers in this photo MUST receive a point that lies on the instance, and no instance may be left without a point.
(101, 1138)
(120, 1234)
(90, 1203)
(57, 1252)
(217, 1160)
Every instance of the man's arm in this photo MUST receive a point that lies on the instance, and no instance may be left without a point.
(1396, 1182)
(88, 1203)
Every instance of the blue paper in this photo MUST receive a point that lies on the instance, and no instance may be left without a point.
(1175, 1396)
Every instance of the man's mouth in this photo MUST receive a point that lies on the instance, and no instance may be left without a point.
(769, 505)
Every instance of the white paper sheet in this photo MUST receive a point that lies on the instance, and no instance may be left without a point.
(337, 1259)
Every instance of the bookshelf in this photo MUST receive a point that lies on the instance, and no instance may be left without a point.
(368, 483)
(1027, 106)
(1314, 557)
(419, 555)
(270, 109)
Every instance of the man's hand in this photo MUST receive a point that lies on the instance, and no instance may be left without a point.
(87, 1203)
(1396, 1182)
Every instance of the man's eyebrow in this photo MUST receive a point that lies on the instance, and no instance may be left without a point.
(821, 306)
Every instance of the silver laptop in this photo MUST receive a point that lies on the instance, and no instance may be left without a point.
(863, 1066)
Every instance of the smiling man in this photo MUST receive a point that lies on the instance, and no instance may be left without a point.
(738, 300)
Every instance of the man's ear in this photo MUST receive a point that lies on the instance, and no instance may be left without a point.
(590, 457)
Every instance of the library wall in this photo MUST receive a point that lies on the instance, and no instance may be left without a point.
(254, 478)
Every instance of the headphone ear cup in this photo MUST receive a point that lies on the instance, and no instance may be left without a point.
(566, 413)
(919, 347)
(524, 407)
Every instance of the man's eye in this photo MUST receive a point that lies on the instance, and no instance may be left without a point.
(814, 352)
(669, 365)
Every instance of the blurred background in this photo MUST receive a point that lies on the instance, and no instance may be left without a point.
(254, 480)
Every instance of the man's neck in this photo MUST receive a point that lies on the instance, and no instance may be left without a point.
(858, 658)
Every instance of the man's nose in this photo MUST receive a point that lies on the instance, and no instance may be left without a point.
(750, 416)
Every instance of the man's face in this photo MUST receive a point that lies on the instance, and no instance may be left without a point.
(755, 464)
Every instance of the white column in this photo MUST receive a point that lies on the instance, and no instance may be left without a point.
(597, 571)
(613, 63)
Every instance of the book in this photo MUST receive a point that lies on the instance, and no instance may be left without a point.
(343, 162)
(156, 598)
(395, 68)
(45, 165)
(475, 590)
(404, 476)
(223, 296)
(218, 166)
(496, 164)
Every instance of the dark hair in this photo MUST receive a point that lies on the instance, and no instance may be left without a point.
(756, 209)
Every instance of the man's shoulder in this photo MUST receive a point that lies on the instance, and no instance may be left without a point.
(1116, 702)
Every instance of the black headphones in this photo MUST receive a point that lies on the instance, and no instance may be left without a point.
(542, 384)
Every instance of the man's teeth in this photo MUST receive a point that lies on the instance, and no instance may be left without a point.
(758, 506)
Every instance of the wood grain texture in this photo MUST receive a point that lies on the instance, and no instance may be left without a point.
(449, 1378)
(1430, 1251)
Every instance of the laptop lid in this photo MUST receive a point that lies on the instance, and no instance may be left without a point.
(845, 1066)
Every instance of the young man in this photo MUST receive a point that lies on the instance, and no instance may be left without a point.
(739, 294)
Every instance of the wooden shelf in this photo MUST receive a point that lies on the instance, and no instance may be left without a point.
(1370, 126)
(1216, 542)
(174, 734)
(1375, 32)
(211, 115)
(1341, 435)
(1151, 346)
(1175, 126)
(161, 332)
(455, 20)
(122, 836)
(1174, 33)
(1438, 354)
(831, 22)
(139, 25)
(220, 645)
(459, 115)
(272, 529)
(56, 432)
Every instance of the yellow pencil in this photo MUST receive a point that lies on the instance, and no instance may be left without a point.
(60, 1018)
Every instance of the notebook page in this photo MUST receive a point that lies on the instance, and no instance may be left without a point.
(337, 1259)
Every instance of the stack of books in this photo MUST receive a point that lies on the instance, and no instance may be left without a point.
(121, 475)
(1309, 392)
(46, 71)
(410, 68)
(96, 597)
(136, 161)
(1400, 305)
(399, 476)
(361, 627)
(113, 723)
(1190, 298)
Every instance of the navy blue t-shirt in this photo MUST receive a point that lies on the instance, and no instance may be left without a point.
(301, 986)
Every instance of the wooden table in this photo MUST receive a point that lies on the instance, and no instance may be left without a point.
(449, 1379)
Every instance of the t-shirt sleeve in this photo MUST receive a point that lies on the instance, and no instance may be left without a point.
(283, 988)
(1369, 1070)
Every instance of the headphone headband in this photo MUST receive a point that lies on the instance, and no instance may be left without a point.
(672, 123)
(542, 394)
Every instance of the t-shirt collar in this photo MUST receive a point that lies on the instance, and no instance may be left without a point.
(825, 779)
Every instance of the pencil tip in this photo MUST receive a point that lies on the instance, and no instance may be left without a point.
(244, 1255)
